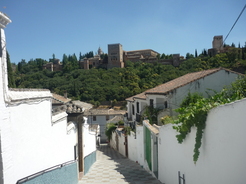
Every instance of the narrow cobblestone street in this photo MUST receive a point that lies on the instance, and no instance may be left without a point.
(113, 168)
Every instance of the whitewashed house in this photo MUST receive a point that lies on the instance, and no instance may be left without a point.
(168, 96)
(101, 117)
(36, 145)
(86, 147)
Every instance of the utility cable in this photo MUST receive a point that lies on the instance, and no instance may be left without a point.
(234, 24)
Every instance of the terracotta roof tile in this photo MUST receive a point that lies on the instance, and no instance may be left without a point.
(140, 96)
(178, 82)
(181, 81)
(104, 112)
(58, 98)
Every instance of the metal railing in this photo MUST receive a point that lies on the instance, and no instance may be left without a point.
(181, 178)
(44, 171)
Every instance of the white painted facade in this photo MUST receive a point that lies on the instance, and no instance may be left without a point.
(31, 139)
(222, 155)
(122, 146)
(136, 146)
(112, 142)
(101, 120)
(121, 142)
(89, 139)
(215, 81)
(132, 148)
(140, 145)
(37, 142)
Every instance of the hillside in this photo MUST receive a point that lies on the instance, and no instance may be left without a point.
(98, 85)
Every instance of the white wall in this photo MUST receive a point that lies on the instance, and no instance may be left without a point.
(89, 139)
(122, 148)
(101, 120)
(142, 105)
(136, 146)
(132, 147)
(34, 143)
(222, 158)
(113, 140)
(215, 81)
(140, 145)
(121, 142)
(30, 140)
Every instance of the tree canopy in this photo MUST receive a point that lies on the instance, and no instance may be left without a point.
(97, 84)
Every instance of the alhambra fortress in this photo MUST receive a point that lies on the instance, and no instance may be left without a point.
(117, 57)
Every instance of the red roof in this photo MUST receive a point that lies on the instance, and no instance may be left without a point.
(178, 82)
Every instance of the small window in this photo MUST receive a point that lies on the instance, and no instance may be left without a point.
(94, 118)
(76, 152)
(137, 107)
(133, 110)
(151, 103)
(165, 104)
(107, 117)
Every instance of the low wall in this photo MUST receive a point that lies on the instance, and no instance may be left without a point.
(89, 146)
(132, 147)
(222, 154)
(120, 144)
(89, 138)
(136, 146)
(122, 148)
(113, 141)
(63, 175)
(140, 145)
(89, 160)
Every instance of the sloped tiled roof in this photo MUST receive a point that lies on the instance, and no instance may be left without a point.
(59, 99)
(141, 50)
(82, 104)
(115, 119)
(140, 96)
(104, 112)
(178, 82)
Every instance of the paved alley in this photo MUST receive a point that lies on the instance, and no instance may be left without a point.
(113, 168)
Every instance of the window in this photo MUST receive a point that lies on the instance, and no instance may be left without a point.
(75, 152)
(107, 117)
(137, 107)
(151, 103)
(94, 118)
(165, 104)
(133, 110)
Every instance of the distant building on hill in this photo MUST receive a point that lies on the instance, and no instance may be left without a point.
(117, 57)
(95, 61)
(217, 46)
(53, 66)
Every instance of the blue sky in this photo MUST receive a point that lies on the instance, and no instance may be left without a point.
(40, 28)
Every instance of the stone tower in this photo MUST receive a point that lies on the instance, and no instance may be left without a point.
(218, 42)
(115, 56)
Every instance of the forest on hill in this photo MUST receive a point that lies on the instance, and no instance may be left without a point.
(98, 85)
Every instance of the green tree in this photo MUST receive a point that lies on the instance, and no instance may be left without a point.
(11, 80)
(188, 56)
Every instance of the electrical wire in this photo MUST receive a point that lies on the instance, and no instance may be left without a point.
(234, 24)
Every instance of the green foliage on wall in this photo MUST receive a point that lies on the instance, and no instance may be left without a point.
(193, 113)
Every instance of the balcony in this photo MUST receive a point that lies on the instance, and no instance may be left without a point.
(138, 117)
